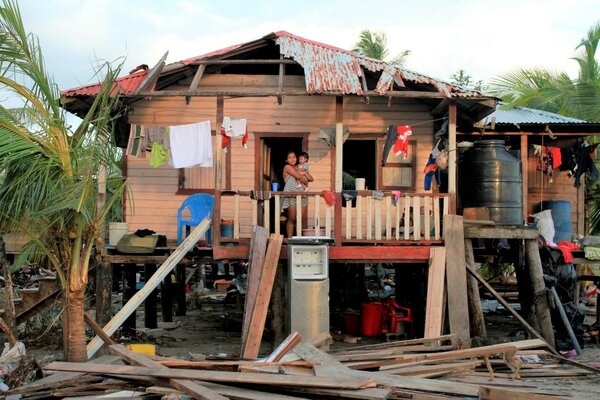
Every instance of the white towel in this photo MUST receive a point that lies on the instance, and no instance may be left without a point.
(191, 145)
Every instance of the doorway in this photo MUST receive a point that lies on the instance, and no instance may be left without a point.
(272, 156)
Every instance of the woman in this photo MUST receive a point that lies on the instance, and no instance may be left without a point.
(292, 177)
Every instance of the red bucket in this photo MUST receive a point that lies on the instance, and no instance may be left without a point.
(371, 318)
(351, 323)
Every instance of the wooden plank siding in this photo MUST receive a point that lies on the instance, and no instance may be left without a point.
(154, 189)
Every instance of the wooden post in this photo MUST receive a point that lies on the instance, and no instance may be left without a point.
(538, 287)
(278, 305)
(339, 147)
(476, 321)
(128, 293)
(456, 277)
(180, 290)
(524, 173)
(219, 141)
(452, 166)
(150, 302)
(166, 299)
(104, 276)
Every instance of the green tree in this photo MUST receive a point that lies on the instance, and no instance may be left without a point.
(462, 78)
(374, 45)
(49, 187)
(559, 93)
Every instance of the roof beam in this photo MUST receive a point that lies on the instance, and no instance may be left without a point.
(292, 92)
(280, 81)
(233, 62)
(197, 77)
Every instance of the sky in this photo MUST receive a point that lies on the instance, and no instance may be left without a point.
(485, 38)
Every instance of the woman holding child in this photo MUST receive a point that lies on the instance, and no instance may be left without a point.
(293, 179)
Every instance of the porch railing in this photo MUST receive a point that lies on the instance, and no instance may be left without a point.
(368, 217)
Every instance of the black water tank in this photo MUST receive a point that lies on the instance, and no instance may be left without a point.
(489, 176)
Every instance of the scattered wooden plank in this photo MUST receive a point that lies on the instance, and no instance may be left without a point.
(435, 293)
(397, 343)
(258, 248)
(133, 303)
(510, 309)
(62, 378)
(284, 347)
(214, 376)
(456, 277)
(97, 329)
(263, 297)
(438, 369)
(330, 367)
(477, 323)
(495, 393)
(193, 389)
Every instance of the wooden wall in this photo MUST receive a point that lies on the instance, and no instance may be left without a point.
(155, 202)
(559, 187)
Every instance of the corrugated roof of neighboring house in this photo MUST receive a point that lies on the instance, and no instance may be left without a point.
(523, 115)
(327, 69)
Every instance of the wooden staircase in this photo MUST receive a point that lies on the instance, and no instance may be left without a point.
(30, 301)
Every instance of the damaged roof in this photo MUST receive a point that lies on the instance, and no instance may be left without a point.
(326, 69)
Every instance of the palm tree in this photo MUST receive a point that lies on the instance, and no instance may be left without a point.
(374, 45)
(49, 185)
(558, 92)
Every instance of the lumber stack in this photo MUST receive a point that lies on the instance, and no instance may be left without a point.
(418, 369)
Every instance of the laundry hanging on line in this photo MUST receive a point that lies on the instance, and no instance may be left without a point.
(191, 145)
(233, 128)
(397, 138)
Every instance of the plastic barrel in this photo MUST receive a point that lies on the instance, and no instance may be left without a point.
(371, 318)
(561, 216)
(227, 230)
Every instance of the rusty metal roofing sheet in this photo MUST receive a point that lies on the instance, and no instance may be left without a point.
(126, 85)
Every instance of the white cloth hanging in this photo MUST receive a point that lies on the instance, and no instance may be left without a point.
(191, 145)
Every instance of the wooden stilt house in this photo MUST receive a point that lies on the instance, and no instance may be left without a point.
(302, 95)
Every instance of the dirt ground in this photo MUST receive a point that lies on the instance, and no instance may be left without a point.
(214, 330)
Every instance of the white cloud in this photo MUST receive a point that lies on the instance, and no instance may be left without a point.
(484, 38)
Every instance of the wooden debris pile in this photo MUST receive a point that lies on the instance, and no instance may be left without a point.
(414, 369)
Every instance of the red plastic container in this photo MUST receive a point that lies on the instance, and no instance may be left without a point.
(351, 323)
(371, 318)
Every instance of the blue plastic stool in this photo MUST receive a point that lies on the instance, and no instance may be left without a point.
(200, 206)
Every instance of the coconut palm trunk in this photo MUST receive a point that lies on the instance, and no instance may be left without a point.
(48, 172)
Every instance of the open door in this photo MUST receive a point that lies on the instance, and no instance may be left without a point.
(272, 155)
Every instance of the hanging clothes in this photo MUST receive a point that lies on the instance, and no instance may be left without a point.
(158, 155)
(431, 168)
(397, 138)
(556, 157)
(586, 163)
(233, 128)
(191, 145)
(544, 160)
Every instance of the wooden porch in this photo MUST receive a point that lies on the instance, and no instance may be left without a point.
(370, 227)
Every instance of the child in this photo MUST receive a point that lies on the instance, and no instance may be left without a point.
(302, 167)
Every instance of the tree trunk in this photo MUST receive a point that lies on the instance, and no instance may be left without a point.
(75, 350)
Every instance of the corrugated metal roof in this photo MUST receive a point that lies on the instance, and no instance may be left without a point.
(524, 115)
(126, 85)
(327, 69)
